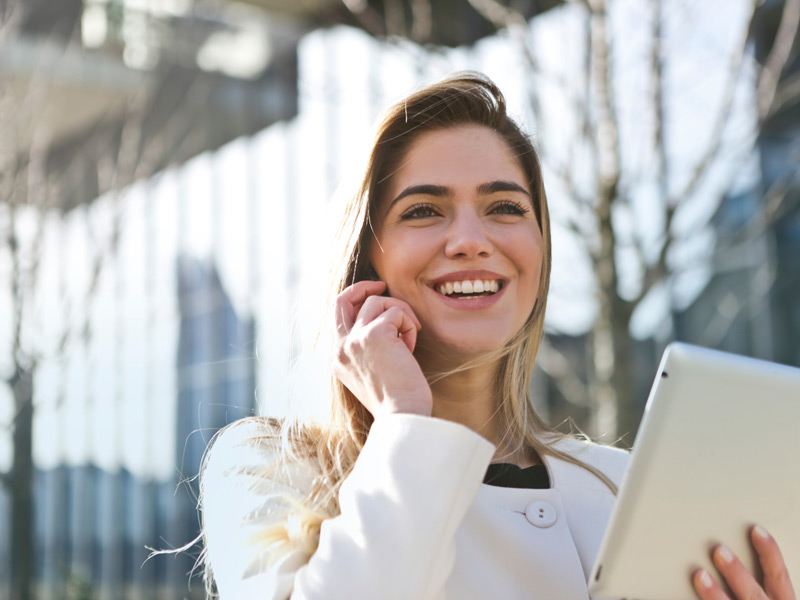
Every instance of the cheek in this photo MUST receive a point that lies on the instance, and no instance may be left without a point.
(528, 252)
(390, 268)
(400, 259)
(529, 257)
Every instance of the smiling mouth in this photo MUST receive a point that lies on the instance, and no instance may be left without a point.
(469, 288)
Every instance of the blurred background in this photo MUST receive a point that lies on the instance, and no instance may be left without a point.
(166, 171)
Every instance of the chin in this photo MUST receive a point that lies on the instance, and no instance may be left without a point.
(458, 348)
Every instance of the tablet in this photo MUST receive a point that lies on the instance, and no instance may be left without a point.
(718, 450)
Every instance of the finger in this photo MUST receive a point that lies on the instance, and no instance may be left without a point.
(777, 584)
(407, 332)
(396, 324)
(396, 314)
(742, 583)
(350, 300)
(400, 325)
(374, 306)
(706, 587)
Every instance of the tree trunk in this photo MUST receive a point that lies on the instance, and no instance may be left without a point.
(612, 349)
(613, 376)
(22, 488)
(624, 380)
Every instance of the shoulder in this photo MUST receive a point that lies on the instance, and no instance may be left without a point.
(250, 455)
(250, 432)
(249, 487)
(611, 461)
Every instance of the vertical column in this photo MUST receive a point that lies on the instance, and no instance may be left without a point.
(107, 457)
(254, 294)
(169, 506)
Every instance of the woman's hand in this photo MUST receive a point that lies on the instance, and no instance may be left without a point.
(375, 338)
(776, 584)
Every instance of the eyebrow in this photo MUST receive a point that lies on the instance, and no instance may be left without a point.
(501, 186)
(442, 191)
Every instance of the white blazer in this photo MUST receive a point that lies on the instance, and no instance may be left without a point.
(416, 522)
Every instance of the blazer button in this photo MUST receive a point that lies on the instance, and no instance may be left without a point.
(541, 514)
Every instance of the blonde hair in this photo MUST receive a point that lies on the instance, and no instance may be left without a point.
(332, 448)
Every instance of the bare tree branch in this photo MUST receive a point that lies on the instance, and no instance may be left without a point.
(366, 16)
(731, 306)
(504, 17)
(787, 92)
(421, 20)
(777, 200)
(12, 14)
(607, 129)
(563, 375)
(606, 148)
(395, 17)
(582, 135)
(30, 187)
(16, 283)
(657, 78)
(652, 274)
(576, 223)
(723, 114)
(777, 58)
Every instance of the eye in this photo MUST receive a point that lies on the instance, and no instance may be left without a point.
(509, 207)
(419, 211)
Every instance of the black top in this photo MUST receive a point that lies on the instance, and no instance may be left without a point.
(511, 476)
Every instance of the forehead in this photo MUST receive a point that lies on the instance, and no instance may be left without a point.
(462, 157)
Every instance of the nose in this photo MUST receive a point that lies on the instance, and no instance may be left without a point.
(467, 237)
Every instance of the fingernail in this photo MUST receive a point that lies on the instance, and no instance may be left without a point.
(724, 554)
(761, 532)
(705, 579)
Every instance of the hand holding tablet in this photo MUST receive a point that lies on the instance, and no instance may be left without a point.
(776, 584)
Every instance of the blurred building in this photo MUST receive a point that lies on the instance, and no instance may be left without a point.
(97, 95)
(94, 526)
(183, 76)
(216, 386)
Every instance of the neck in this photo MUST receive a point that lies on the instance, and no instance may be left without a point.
(470, 398)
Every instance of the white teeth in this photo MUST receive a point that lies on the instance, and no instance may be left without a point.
(477, 286)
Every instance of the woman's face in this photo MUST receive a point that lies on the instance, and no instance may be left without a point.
(458, 240)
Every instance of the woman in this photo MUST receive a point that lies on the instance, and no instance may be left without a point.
(439, 303)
